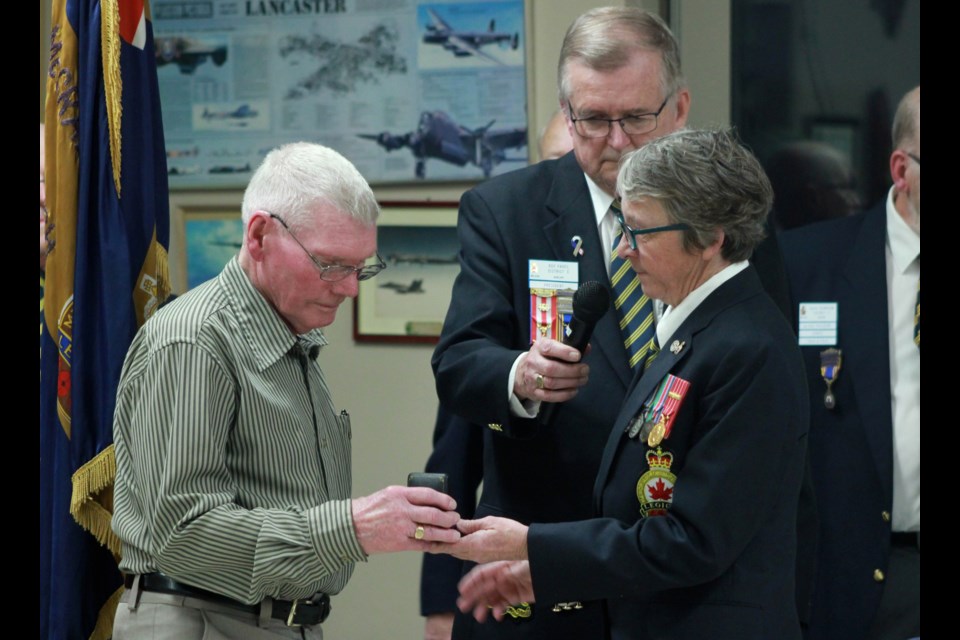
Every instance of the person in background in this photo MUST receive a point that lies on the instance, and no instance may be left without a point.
(232, 498)
(855, 284)
(811, 182)
(555, 141)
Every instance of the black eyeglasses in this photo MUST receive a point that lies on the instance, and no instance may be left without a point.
(631, 125)
(915, 158)
(335, 272)
(631, 234)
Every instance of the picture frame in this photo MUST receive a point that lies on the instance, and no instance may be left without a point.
(408, 301)
(188, 211)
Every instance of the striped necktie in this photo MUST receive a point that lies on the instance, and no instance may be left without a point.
(634, 309)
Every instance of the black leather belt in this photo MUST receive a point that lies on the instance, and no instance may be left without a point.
(905, 539)
(295, 613)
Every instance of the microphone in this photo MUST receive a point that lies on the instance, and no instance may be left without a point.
(590, 302)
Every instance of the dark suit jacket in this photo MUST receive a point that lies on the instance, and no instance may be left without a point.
(851, 447)
(531, 472)
(720, 563)
(457, 452)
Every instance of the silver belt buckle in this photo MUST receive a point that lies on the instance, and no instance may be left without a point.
(292, 614)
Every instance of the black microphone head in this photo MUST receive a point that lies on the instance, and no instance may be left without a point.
(591, 301)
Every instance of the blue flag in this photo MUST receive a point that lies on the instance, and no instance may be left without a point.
(108, 229)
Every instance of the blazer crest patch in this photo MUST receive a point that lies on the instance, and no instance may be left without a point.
(655, 487)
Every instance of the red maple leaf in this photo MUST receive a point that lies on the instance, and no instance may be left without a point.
(660, 491)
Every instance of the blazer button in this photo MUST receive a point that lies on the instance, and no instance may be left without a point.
(878, 575)
(885, 515)
(495, 426)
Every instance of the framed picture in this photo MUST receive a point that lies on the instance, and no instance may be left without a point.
(408, 300)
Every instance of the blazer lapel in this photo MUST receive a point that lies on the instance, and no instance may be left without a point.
(864, 334)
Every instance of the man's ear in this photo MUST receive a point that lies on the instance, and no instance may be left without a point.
(254, 234)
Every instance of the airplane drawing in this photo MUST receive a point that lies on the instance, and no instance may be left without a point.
(414, 287)
(438, 136)
(467, 43)
(236, 117)
(188, 53)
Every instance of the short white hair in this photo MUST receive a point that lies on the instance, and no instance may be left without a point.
(297, 179)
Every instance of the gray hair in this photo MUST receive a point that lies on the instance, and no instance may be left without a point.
(707, 180)
(296, 179)
(604, 38)
(906, 119)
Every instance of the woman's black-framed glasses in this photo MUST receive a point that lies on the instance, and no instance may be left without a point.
(631, 234)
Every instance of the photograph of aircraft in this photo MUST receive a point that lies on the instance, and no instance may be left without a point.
(236, 117)
(188, 53)
(467, 43)
(438, 136)
(414, 287)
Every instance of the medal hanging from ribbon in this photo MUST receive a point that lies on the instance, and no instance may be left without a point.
(830, 363)
(544, 319)
(660, 411)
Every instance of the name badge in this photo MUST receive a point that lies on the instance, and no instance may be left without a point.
(552, 284)
(818, 324)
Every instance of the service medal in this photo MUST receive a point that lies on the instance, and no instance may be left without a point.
(830, 363)
(657, 432)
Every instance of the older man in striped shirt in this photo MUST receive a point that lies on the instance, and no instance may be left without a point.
(232, 497)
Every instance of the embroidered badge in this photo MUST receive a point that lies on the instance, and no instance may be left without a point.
(655, 487)
(520, 611)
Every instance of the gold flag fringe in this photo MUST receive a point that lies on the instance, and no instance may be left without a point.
(112, 84)
(104, 628)
(91, 504)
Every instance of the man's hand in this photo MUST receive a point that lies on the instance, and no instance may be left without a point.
(439, 626)
(486, 540)
(549, 372)
(494, 587)
(391, 519)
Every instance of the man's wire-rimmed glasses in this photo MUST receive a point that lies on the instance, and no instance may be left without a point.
(335, 272)
(633, 125)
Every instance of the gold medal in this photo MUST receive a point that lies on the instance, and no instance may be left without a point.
(657, 432)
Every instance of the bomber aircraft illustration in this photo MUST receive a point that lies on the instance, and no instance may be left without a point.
(188, 53)
(467, 43)
(438, 136)
(414, 287)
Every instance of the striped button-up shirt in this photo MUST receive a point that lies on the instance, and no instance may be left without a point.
(233, 467)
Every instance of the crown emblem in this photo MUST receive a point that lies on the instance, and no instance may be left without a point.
(659, 460)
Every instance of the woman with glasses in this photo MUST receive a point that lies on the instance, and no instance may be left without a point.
(696, 497)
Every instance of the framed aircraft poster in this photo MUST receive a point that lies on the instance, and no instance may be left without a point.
(408, 300)
(408, 91)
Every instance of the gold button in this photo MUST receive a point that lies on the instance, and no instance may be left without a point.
(495, 426)
(885, 515)
(878, 575)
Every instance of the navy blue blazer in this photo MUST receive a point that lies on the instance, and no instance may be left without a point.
(720, 563)
(457, 452)
(851, 447)
(531, 473)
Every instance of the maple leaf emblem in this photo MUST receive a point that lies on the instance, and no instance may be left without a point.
(660, 491)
